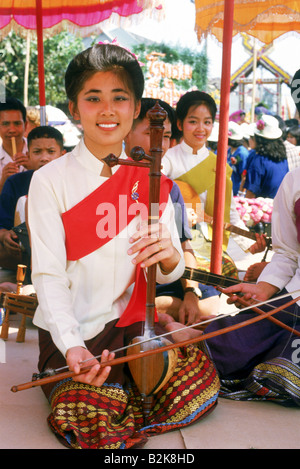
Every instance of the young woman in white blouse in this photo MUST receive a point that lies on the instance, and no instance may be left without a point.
(89, 258)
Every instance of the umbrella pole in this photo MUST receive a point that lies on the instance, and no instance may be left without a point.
(26, 72)
(220, 186)
(41, 69)
(254, 81)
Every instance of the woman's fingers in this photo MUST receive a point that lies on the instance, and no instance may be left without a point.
(151, 244)
(97, 374)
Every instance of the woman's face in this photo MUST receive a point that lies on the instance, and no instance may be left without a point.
(106, 109)
(196, 126)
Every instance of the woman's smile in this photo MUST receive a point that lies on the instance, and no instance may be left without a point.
(105, 102)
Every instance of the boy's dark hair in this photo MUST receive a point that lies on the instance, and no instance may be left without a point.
(13, 104)
(45, 131)
(148, 103)
(103, 58)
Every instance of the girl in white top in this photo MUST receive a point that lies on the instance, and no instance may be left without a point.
(87, 251)
(196, 113)
(78, 297)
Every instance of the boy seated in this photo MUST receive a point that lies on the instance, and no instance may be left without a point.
(186, 300)
(45, 144)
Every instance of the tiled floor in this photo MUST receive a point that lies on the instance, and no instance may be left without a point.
(232, 425)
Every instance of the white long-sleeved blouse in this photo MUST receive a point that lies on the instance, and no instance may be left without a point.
(77, 298)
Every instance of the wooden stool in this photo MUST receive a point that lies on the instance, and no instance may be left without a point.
(14, 303)
(17, 303)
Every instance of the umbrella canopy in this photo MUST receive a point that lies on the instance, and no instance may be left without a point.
(82, 13)
(265, 20)
(50, 16)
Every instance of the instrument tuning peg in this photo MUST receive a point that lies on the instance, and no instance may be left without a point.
(111, 160)
(138, 154)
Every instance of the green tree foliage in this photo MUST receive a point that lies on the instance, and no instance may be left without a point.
(58, 51)
(198, 62)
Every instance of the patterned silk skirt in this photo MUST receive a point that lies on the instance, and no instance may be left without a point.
(111, 416)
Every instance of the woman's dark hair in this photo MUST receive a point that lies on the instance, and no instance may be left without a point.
(103, 58)
(235, 143)
(195, 98)
(273, 150)
(295, 132)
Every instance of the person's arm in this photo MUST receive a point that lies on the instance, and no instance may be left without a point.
(10, 242)
(285, 245)
(96, 376)
(262, 291)
(8, 170)
(190, 311)
(49, 264)
(283, 266)
(250, 194)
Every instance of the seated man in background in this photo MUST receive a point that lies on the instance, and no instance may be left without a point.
(186, 300)
(13, 149)
(45, 143)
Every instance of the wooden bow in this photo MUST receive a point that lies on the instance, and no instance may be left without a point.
(137, 356)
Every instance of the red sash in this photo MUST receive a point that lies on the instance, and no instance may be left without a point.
(103, 214)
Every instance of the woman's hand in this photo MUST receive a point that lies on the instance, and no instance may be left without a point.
(153, 244)
(97, 375)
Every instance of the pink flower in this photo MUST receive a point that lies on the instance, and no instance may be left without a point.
(260, 125)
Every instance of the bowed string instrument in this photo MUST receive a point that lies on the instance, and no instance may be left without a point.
(151, 359)
(152, 372)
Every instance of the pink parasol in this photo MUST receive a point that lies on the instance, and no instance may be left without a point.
(50, 16)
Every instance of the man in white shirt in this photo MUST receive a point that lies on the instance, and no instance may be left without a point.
(13, 150)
